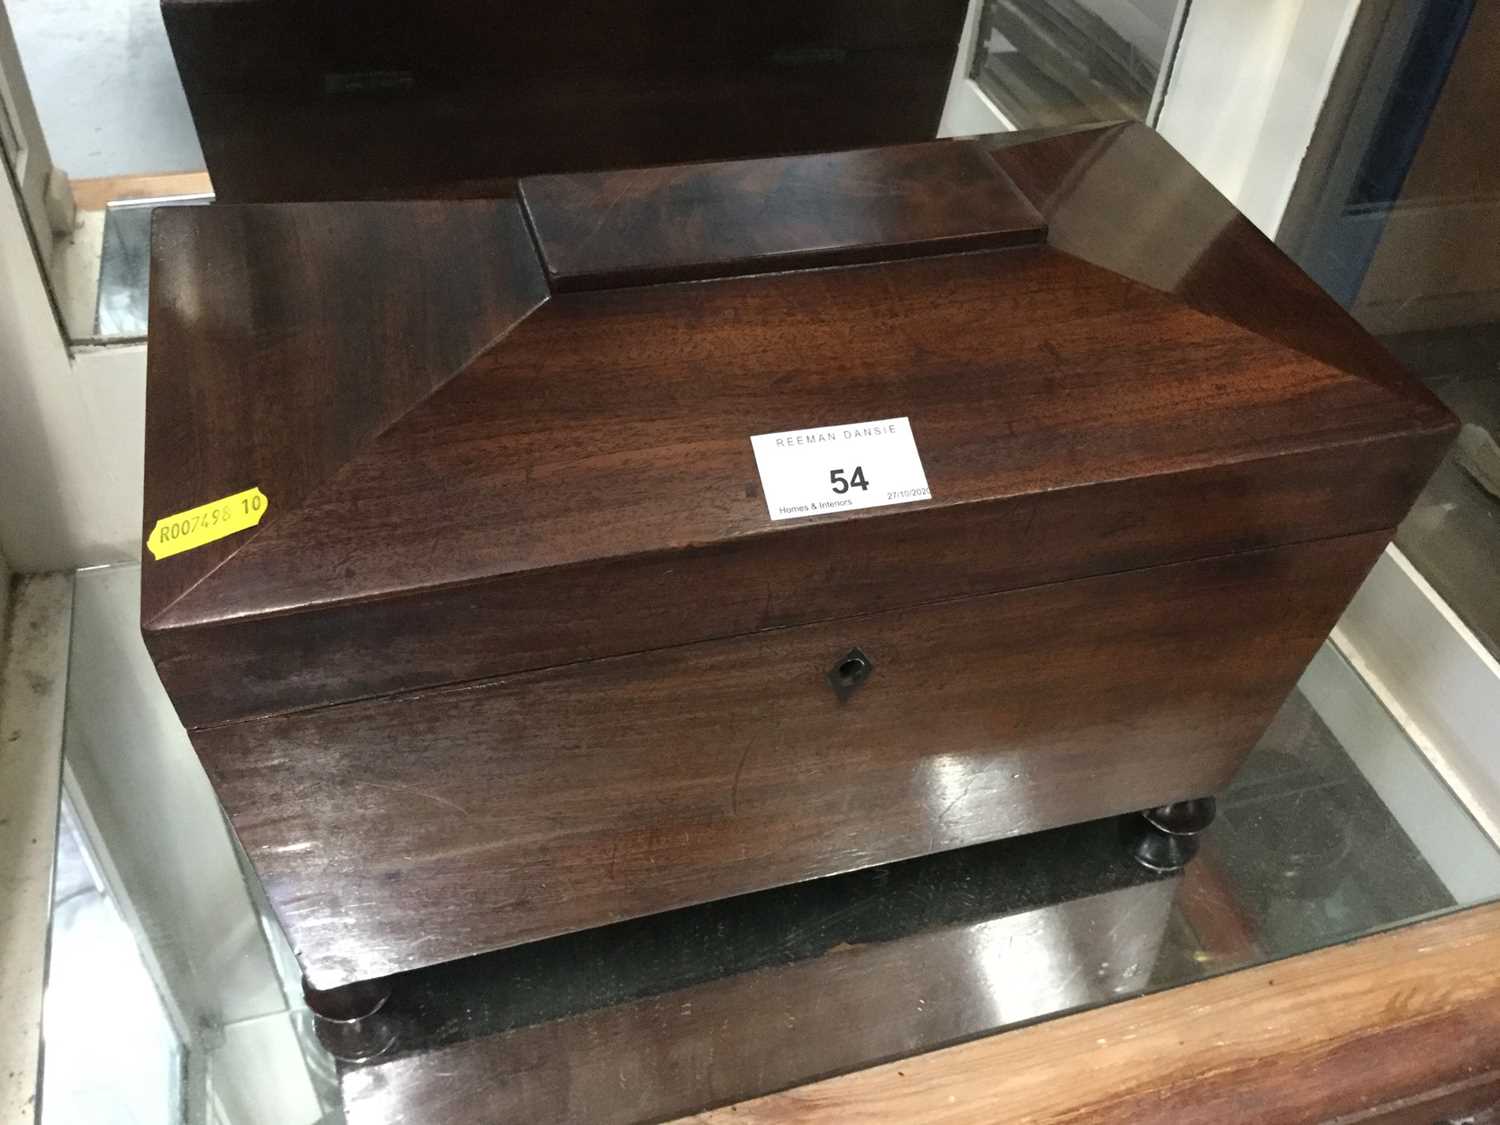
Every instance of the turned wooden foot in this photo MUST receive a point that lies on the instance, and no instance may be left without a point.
(1165, 838)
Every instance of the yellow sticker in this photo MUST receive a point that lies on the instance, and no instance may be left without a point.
(205, 523)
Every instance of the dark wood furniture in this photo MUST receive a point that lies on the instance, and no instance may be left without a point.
(310, 99)
(517, 649)
(728, 1002)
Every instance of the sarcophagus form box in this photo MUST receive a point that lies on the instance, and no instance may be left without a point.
(1060, 474)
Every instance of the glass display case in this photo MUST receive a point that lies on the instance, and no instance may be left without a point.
(170, 984)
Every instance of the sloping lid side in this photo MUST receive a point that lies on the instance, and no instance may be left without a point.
(284, 338)
(616, 424)
(1121, 197)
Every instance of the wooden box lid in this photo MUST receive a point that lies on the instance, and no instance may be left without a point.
(506, 435)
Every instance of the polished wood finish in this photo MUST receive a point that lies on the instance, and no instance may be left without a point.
(396, 833)
(1120, 197)
(1400, 1028)
(272, 368)
(360, 648)
(424, 531)
(523, 650)
(384, 99)
(695, 221)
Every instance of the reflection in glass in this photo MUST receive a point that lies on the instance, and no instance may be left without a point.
(112, 1051)
(1336, 827)
(153, 913)
(1069, 62)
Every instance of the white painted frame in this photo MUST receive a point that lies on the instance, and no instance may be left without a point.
(72, 425)
(1435, 677)
(968, 110)
(1247, 89)
(33, 690)
(24, 148)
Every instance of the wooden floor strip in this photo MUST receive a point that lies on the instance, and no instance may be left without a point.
(1399, 1027)
(95, 194)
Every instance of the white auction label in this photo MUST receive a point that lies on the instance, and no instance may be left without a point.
(839, 468)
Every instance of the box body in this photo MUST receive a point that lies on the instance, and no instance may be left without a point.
(517, 649)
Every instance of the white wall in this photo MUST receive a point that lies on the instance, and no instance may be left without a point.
(4, 604)
(106, 86)
(1249, 83)
(71, 430)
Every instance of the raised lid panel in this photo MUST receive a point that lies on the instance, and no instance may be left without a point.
(695, 221)
(398, 833)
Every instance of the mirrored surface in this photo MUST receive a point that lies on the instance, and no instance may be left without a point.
(1335, 827)
(263, 101)
(125, 266)
(175, 970)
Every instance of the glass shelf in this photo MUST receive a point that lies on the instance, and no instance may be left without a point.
(1335, 827)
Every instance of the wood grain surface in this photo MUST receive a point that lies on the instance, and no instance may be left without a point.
(1088, 420)
(1401, 1028)
(1120, 197)
(407, 831)
(848, 985)
(694, 221)
(1152, 493)
(360, 649)
(269, 363)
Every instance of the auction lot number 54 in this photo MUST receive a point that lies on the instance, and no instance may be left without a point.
(842, 484)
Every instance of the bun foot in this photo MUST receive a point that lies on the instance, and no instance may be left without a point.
(1165, 838)
(349, 1022)
(351, 1002)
